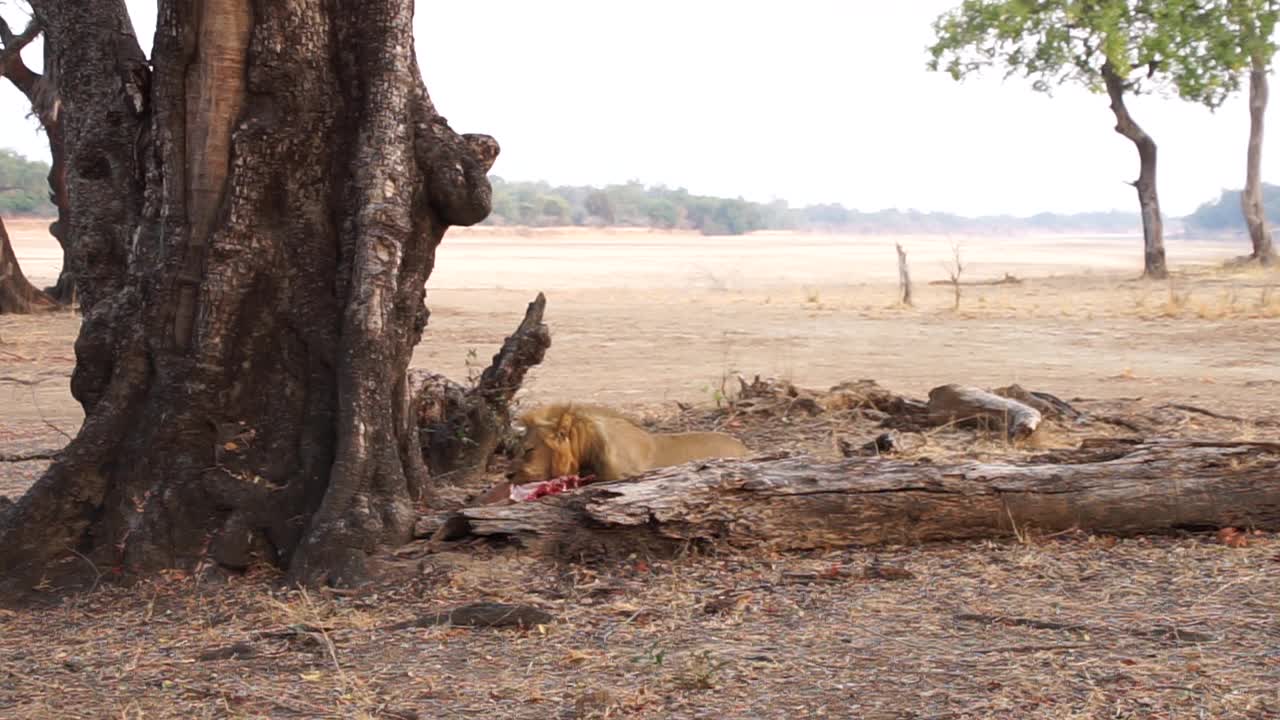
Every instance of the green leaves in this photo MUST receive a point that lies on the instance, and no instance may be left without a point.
(1195, 49)
(24, 185)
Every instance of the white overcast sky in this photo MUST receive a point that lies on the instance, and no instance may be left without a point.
(806, 100)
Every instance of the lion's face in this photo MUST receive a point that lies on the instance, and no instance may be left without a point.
(546, 453)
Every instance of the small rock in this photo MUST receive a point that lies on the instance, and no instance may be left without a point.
(234, 651)
(73, 664)
(726, 602)
(884, 444)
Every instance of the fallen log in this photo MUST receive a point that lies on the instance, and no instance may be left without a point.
(794, 503)
(970, 405)
(1006, 280)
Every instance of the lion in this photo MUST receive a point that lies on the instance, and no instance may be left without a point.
(576, 439)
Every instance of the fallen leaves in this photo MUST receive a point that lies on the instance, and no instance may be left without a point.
(1233, 537)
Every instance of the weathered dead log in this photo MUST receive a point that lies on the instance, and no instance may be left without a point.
(970, 405)
(794, 503)
(1006, 280)
(461, 429)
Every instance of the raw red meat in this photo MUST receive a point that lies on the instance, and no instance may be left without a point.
(554, 486)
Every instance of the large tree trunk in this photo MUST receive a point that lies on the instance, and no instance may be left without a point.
(254, 223)
(17, 294)
(1148, 199)
(1255, 213)
(1108, 486)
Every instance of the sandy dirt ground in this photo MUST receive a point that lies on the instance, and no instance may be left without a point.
(643, 320)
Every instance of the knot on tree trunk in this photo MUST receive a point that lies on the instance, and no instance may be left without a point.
(457, 170)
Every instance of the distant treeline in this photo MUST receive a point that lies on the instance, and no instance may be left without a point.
(540, 204)
(24, 186)
(24, 190)
(1225, 214)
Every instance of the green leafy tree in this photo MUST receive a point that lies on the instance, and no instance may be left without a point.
(598, 204)
(1223, 215)
(1114, 47)
(24, 189)
(555, 210)
(1242, 37)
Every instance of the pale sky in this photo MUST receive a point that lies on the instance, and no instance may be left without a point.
(806, 100)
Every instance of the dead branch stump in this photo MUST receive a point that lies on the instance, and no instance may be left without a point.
(904, 277)
(460, 429)
(970, 405)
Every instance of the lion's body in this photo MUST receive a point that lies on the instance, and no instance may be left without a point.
(576, 439)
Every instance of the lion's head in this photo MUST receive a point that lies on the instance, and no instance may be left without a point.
(559, 440)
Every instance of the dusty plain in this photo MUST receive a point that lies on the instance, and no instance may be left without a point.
(646, 320)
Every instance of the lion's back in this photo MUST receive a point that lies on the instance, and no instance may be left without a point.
(678, 448)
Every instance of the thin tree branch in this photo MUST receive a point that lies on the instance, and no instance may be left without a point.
(22, 77)
(13, 45)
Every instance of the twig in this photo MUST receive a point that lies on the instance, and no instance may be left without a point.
(96, 572)
(29, 456)
(32, 381)
(1212, 414)
(1120, 422)
(45, 420)
(1161, 632)
(1030, 648)
(1021, 622)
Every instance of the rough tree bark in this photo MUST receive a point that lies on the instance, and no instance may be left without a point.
(1109, 486)
(1255, 214)
(17, 294)
(40, 91)
(1148, 199)
(254, 223)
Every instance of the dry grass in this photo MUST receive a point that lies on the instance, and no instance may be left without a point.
(771, 636)
(1067, 626)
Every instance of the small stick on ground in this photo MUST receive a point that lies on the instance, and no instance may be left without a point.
(29, 456)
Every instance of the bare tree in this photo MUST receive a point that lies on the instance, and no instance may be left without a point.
(255, 211)
(40, 90)
(904, 277)
(1255, 214)
(954, 270)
